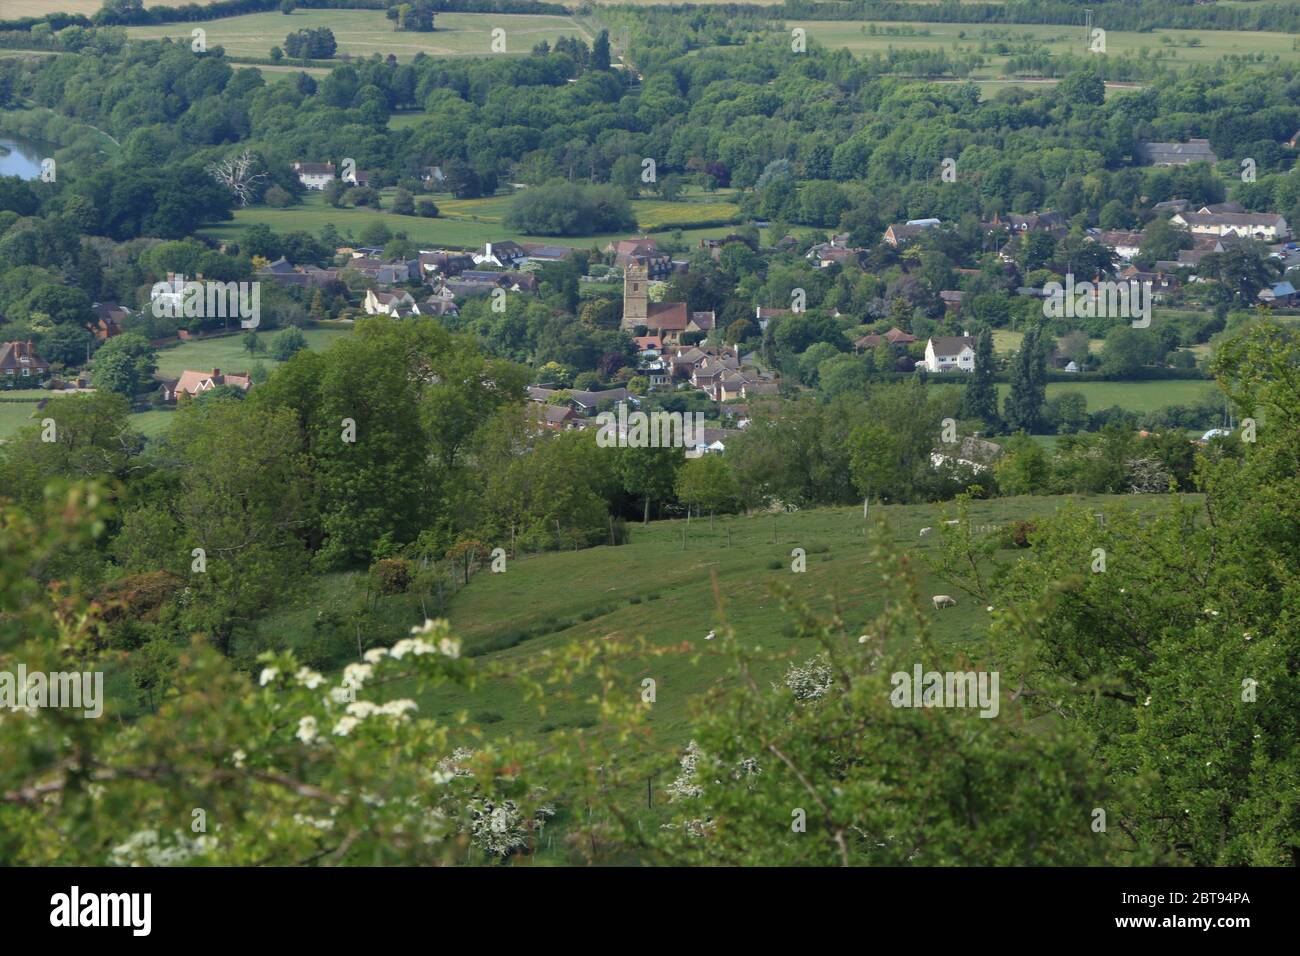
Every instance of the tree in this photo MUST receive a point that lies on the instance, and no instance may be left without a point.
(981, 398)
(600, 55)
(403, 203)
(287, 343)
(253, 343)
(706, 482)
(125, 364)
(648, 473)
(240, 174)
(1023, 408)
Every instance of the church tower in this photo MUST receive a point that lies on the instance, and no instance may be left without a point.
(636, 295)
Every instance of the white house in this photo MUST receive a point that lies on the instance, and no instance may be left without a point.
(314, 175)
(1266, 226)
(389, 303)
(949, 353)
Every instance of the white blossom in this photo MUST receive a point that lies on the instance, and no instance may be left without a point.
(344, 726)
(307, 731)
(268, 674)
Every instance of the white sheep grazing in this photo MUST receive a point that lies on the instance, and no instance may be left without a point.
(953, 521)
(942, 601)
(925, 531)
(708, 636)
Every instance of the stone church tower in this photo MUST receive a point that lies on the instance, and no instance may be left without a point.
(636, 295)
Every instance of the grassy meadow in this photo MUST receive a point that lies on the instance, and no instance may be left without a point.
(1188, 47)
(228, 352)
(468, 223)
(361, 33)
(667, 594)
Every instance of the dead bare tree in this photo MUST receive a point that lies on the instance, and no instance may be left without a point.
(239, 174)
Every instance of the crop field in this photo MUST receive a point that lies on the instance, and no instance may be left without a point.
(1187, 47)
(467, 223)
(361, 33)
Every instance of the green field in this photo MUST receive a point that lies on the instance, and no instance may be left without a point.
(17, 9)
(665, 594)
(1133, 396)
(228, 352)
(462, 231)
(1056, 39)
(361, 33)
(16, 415)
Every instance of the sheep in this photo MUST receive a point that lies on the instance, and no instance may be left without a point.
(709, 636)
(953, 521)
(943, 600)
(925, 531)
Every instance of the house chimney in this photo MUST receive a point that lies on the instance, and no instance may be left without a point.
(216, 372)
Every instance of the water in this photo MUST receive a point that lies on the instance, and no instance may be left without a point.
(22, 157)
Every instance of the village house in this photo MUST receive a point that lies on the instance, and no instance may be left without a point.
(541, 253)
(433, 177)
(1264, 226)
(20, 365)
(314, 175)
(504, 255)
(195, 383)
(1176, 154)
(895, 337)
(715, 246)
(444, 263)
(949, 353)
(384, 274)
(902, 232)
(109, 317)
(1123, 242)
(644, 253)
(398, 304)
(284, 273)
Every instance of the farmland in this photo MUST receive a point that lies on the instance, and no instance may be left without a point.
(1185, 47)
(466, 224)
(228, 352)
(361, 33)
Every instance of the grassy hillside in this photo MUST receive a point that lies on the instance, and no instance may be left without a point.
(652, 588)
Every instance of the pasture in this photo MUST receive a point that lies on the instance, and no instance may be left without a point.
(665, 593)
(465, 223)
(361, 33)
(997, 41)
(228, 352)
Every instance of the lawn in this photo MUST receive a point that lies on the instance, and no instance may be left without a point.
(1055, 38)
(464, 223)
(361, 33)
(228, 352)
